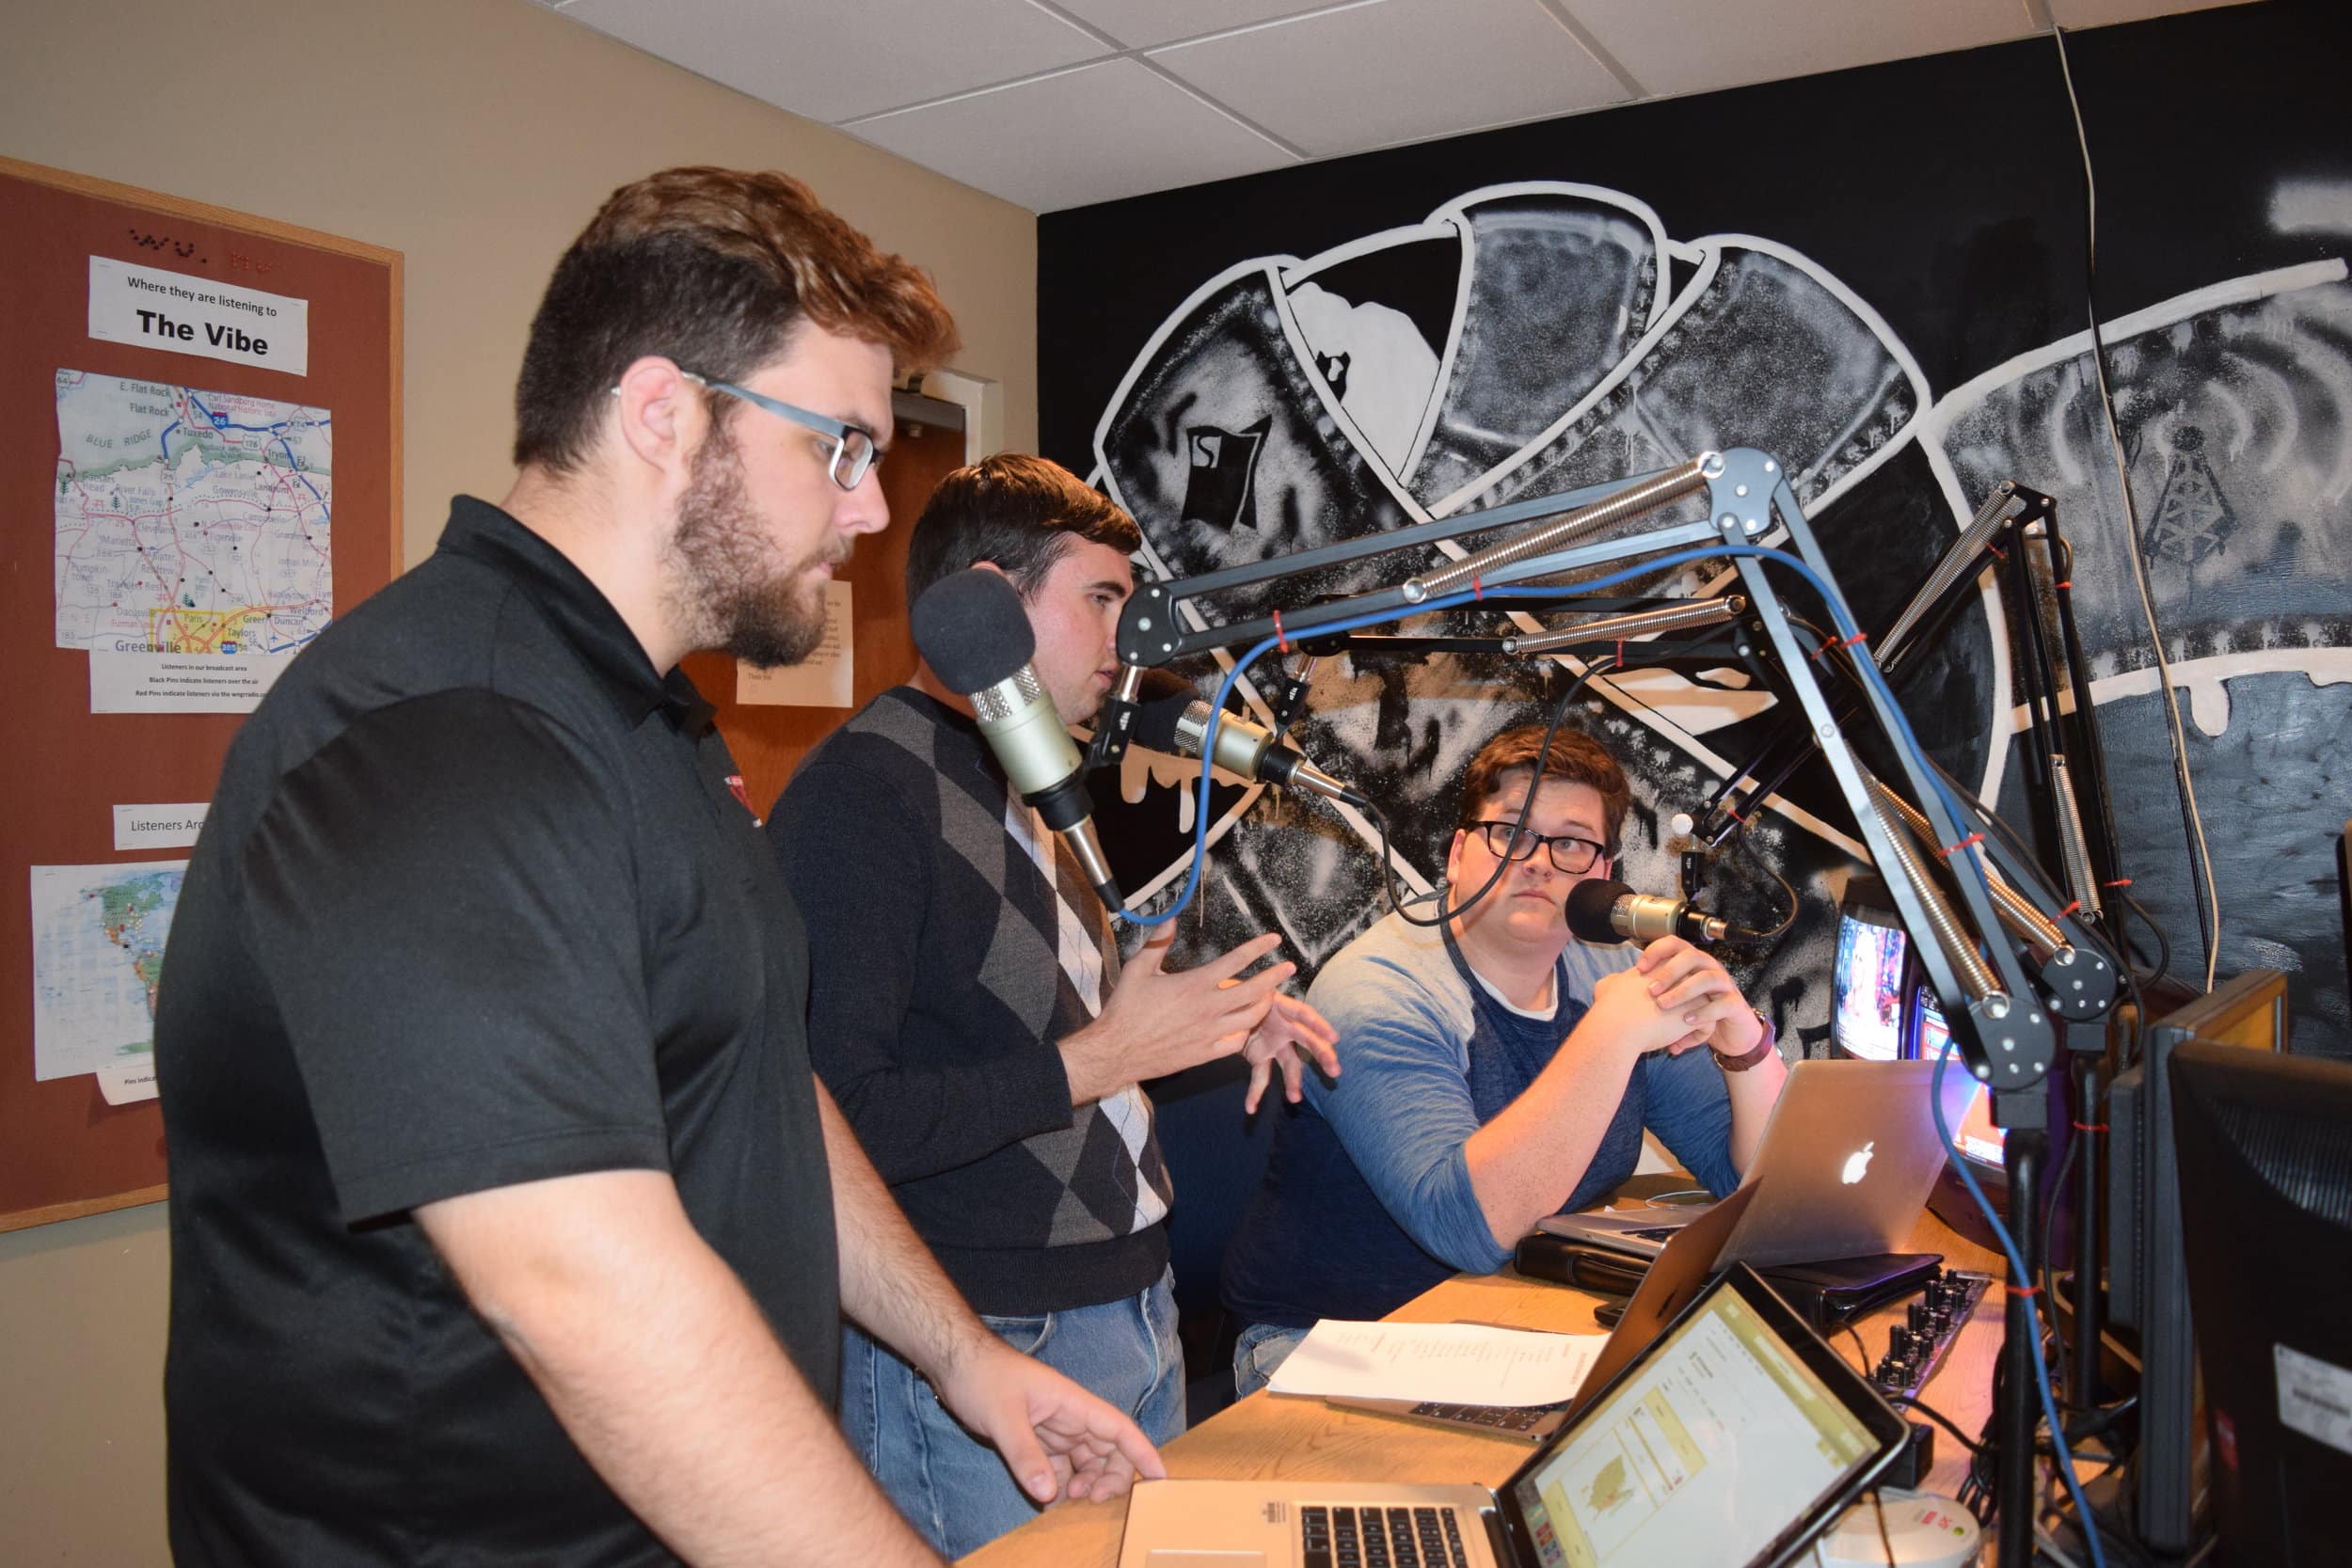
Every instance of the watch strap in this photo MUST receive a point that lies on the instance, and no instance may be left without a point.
(1755, 1053)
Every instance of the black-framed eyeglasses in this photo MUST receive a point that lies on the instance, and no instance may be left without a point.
(1569, 853)
(855, 452)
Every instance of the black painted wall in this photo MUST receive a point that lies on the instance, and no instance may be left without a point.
(1946, 195)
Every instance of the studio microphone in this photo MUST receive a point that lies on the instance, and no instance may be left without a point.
(972, 631)
(1179, 724)
(1608, 912)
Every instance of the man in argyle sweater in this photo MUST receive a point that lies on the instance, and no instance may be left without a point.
(969, 1012)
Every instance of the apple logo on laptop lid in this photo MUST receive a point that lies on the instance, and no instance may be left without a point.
(1857, 1164)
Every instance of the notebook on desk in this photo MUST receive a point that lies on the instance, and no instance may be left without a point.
(1849, 1157)
(1730, 1439)
(1683, 1268)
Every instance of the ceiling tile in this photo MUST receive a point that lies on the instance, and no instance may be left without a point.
(1141, 23)
(1696, 46)
(2074, 14)
(831, 62)
(1096, 134)
(1392, 70)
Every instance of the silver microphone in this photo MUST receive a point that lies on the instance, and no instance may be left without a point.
(1602, 911)
(1181, 724)
(974, 634)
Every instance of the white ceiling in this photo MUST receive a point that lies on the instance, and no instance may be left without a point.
(1055, 104)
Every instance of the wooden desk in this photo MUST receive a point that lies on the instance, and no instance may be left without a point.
(1299, 1439)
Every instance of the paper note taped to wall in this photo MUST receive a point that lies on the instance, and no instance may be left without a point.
(188, 314)
(159, 827)
(823, 679)
(153, 683)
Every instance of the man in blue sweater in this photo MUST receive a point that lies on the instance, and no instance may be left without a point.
(1497, 1070)
(969, 1011)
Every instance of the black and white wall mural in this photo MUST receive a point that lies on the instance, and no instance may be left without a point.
(1875, 276)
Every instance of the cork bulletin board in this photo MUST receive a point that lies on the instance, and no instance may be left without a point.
(266, 354)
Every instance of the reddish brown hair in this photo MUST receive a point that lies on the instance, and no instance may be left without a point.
(1573, 757)
(713, 268)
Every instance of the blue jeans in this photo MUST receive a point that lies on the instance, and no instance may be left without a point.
(951, 1486)
(1261, 1348)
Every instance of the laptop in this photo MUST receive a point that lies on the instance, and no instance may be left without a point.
(1729, 1441)
(1849, 1157)
(1683, 1267)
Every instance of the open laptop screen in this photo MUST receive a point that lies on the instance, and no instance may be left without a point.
(1712, 1448)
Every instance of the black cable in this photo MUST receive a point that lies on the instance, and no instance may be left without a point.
(2057, 1337)
(2111, 1534)
(1741, 845)
(1941, 1419)
(1885, 1541)
(2128, 1049)
(2199, 867)
(2164, 943)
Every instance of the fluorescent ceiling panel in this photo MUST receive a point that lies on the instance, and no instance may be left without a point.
(1141, 23)
(1095, 133)
(1392, 70)
(831, 61)
(1672, 46)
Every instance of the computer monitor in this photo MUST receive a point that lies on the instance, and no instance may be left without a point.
(2147, 1273)
(2265, 1146)
(1968, 1104)
(1866, 988)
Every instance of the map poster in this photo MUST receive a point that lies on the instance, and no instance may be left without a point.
(98, 956)
(190, 524)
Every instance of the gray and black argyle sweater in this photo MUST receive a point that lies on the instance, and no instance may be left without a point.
(952, 943)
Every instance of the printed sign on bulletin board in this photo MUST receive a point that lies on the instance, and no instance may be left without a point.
(205, 472)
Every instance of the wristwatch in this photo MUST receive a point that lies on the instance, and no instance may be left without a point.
(1755, 1053)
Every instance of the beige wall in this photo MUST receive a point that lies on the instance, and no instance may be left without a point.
(475, 137)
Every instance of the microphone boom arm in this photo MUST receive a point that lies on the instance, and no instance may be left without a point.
(2000, 1026)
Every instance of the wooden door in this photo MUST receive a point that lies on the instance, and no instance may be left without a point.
(770, 741)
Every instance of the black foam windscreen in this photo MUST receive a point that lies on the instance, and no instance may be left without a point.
(971, 630)
(1588, 909)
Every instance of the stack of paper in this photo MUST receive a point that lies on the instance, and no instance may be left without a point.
(1448, 1363)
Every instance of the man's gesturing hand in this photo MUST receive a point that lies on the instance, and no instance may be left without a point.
(1292, 1032)
(1061, 1443)
(1160, 1020)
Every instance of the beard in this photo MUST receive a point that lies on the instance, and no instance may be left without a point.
(725, 578)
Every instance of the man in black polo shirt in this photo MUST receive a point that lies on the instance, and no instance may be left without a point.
(508, 1222)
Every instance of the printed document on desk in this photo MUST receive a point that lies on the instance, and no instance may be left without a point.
(1446, 1363)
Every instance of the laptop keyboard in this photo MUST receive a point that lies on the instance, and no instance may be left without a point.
(1503, 1417)
(1381, 1537)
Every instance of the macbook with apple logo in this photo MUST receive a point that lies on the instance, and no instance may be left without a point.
(1845, 1164)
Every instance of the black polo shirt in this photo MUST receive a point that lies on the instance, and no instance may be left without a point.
(479, 902)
